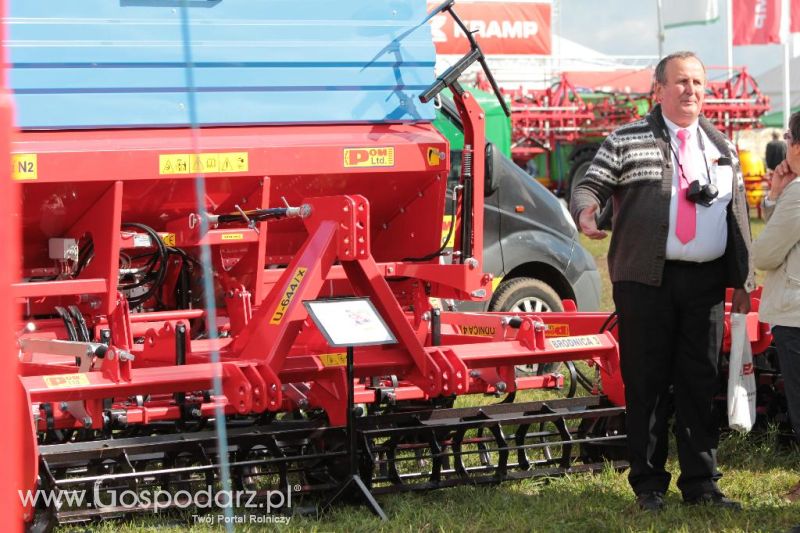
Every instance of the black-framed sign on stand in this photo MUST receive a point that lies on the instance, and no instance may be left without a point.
(346, 323)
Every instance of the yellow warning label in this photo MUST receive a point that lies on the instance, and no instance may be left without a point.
(168, 239)
(288, 296)
(571, 343)
(226, 162)
(369, 157)
(232, 236)
(62, 381)
(333, 359)
(434, 158)
(557, 330)
(24, 166)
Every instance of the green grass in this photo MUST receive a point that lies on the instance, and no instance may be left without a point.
(757, 473)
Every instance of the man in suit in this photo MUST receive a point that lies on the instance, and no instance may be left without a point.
(681, 236)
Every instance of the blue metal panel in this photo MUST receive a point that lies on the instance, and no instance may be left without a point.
(121, 63)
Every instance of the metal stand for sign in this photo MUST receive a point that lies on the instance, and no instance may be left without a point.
(353, 480)
(346, 323)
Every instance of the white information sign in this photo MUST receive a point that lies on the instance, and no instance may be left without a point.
(349, 322)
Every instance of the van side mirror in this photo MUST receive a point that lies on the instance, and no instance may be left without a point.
(492, 162)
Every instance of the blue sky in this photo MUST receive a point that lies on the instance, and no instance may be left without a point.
(629, 27)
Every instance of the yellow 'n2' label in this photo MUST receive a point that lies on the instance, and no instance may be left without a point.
(382, 156)
(24, 167)
(288, 296)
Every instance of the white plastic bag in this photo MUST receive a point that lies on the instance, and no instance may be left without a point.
(741, 379)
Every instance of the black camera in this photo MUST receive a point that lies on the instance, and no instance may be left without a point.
(702, 194)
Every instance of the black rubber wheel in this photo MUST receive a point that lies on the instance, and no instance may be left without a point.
(525, 295)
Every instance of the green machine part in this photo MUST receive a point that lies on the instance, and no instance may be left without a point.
(498, 125)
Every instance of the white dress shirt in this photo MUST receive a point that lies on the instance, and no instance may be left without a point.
(712, 226)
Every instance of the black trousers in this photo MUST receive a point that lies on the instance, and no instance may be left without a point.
(670, 338)
(787, 340)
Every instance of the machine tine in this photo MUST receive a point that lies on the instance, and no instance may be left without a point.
(458, 459)
(436, 459)
(502, 451)
(519, 439)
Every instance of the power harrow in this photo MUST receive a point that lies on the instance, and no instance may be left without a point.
(168, 359)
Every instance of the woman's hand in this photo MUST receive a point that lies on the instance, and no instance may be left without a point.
(779, 178)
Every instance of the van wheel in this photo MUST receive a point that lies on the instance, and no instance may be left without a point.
(525, 295)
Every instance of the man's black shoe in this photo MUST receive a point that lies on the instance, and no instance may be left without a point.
(716, 499)
(650, 501)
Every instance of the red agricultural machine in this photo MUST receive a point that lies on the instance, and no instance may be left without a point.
(564, 116)
(155, 305)
(166, 348)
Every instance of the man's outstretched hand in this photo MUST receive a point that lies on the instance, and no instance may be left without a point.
(588, 223)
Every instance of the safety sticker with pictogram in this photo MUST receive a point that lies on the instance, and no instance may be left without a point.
(211, 163)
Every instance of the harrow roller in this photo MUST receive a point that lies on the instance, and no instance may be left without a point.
(297, 462)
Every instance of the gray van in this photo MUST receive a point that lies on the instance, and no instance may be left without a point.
(530, 241)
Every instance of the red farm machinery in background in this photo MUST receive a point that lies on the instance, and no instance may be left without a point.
(565, 116)
(128, 376)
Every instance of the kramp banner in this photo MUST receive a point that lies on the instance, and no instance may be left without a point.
(756, 22)
(509, 28)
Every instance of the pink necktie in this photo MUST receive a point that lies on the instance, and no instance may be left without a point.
(686, 220)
